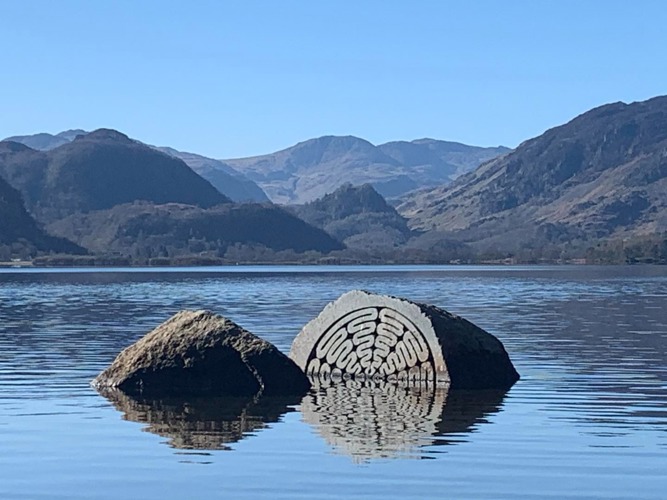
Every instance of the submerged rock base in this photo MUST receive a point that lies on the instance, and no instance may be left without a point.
(201, 353)
(364, 336)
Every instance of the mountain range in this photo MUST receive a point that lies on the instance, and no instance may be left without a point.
(316, 167)
(602, 175)
(594, 188)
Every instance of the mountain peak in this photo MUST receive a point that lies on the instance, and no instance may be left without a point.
(105, 134)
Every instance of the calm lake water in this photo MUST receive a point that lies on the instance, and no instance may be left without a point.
(587, 420)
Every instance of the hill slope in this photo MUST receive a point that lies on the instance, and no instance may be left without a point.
(603, 174)
(97, 171)
(313, 168)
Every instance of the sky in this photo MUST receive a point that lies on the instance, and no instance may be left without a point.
(229, 78)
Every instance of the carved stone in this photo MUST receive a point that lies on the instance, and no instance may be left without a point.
(365, 336)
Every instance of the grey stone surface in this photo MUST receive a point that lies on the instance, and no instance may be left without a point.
(365, 336)
(201, 353)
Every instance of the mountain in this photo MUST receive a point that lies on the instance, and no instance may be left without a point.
(224, 178)
(601, 175)
(313, 168)
(147, 230)
(19, 230)
(358, 216)
(44, 141)
(97, 171)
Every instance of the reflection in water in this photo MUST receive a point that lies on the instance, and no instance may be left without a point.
(202, 423)
(367, 420)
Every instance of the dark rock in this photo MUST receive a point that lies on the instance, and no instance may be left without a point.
(365, 336)
(201, 353)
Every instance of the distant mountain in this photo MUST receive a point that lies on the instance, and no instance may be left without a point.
(100, 170)
(358, 216)
(44, 141)
(19, 230)
(602, 175)
(224, 178)
(316, 167)
(147, 230)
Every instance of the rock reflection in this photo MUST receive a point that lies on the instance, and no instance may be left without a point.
(203, 423)
(369, 420)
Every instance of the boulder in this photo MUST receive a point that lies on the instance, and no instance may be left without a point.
(201, 353)
(364, 336)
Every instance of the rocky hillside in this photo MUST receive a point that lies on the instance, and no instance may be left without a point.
(100, 170)
(357, 216)
(20, 235)
(316, 167)
(602, 175)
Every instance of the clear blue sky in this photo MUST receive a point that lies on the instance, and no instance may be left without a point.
(238, 78)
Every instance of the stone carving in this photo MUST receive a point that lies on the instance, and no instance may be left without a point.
(364, 336)
(376, 343)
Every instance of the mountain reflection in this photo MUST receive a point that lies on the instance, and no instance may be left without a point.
(368, 420)
(203, 423)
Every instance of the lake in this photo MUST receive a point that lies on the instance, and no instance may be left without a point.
(587, 420)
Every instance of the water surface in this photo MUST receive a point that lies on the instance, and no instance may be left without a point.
(588, 419)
